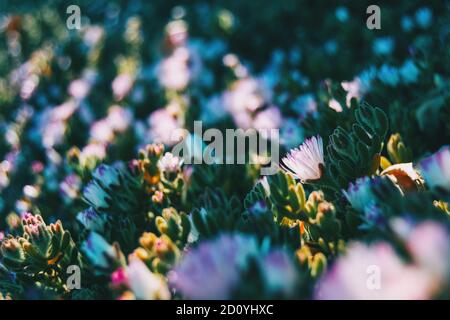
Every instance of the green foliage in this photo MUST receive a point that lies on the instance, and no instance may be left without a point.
(355, 153)
(120, 199)
(41, 254)
(217, 213)
(258, 219)
(287, 197)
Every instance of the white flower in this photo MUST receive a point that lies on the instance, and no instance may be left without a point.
(145, 284)
(436, 169)
(169, 163)
(306, 163)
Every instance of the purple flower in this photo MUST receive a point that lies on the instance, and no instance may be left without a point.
(98, 251)
(359, 193)
(107, 175)
(280, 274)
(95, 195)
(212, 270)
(91, 220)
(436, 169)
(70, 186)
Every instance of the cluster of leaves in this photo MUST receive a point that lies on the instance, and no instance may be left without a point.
(355, 153)
(39, 255)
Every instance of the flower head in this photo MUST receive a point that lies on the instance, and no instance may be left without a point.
(98, 251)
(436, 169)
(95, 195)
(306, 163)
(211, 270)
(122, 85)
(173, 72)
(145, 284)
(359, 193)
(108, 175)
(70, 186)
(362, 199)
(374, 272)
(279, 272)
(91, 220)
(119, 118)
(119, 278)
(162, 127)
(170, 163)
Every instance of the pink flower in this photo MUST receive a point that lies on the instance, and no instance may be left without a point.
(93, 35)
(268, 119)
(429, 244)
(374, 272)
(355, 89)
(122, 85)
(37, 167)
(246, 95)
(335, 105)
(119, 118)
(119, 277)
(101, 131)
(173, 72)
(162, 127)
(306, 163)
(212, 269)
(79, 88)
(94, 150)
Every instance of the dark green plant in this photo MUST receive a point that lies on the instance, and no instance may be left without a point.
(355, 153)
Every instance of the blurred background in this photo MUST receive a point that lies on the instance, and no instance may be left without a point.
(136, 70)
